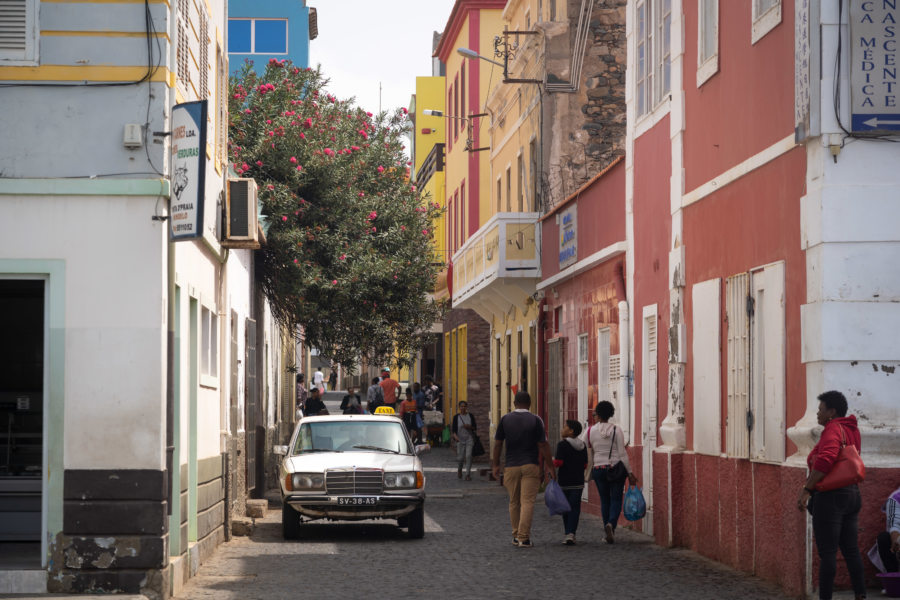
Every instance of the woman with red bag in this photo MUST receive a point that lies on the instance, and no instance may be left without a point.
(836, 509)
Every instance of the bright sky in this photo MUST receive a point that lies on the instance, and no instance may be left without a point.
(364, 42)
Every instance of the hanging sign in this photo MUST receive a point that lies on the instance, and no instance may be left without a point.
(874, 90)
(188, 170)
(568, 240)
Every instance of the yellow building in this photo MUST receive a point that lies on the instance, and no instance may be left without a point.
(472, 24)
(497, 269)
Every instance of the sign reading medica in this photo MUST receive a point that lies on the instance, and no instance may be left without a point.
(188, 170)
(873, 66)
(568, 241)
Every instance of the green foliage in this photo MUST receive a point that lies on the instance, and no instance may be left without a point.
(349, 250)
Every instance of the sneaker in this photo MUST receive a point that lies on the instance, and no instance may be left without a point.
(468, 478)
(525, 544)
(570, 539)
(610, 537)
(459, 473)
(515, 541)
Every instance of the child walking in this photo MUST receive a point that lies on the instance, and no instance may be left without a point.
(571, 461)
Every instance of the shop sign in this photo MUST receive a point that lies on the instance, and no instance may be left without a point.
(568, 240)
(873, 66)
(188, 170)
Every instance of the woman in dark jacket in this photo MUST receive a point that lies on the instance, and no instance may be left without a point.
(835, 512)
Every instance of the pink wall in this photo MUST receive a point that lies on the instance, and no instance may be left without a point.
(601, 219)
(652, 238)
(745, 107)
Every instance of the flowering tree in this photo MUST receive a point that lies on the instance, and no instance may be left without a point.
(348, 252)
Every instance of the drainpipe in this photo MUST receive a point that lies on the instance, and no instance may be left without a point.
(624, 351)
(538, 377)
(170, 364)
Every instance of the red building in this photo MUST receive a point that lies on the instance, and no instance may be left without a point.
(584, 313)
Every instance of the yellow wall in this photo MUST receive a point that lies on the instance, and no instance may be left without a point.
(430, 96)
(490, 24)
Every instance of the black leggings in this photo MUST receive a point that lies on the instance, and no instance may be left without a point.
(835, 515)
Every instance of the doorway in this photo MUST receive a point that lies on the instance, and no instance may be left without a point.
(23, 333)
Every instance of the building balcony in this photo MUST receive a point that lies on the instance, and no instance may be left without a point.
(499, 266)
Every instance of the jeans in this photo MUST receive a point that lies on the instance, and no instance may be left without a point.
(835, 516)
(610, 496)
(522, 484)
(464, 454)
(570, 519)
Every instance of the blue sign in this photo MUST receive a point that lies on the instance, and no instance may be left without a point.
(188, 170)
(874, 87)
(568, 242)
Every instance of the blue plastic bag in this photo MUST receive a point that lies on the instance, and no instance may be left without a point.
(555, 499)
(634, 505)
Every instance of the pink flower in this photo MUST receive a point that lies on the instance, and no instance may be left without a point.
(299, 167)
(334, 282)
(380, 169)
(403, 228)
(373, 215)
(307, 123)
(368, 114)
(284, 217)
(293, 159)
(268, 121)
(302, 137)
(424, 232)
(328, 152)
(248, 111)
(245, 166)
(364, 134)
(295, 261)
(412, 187)
(405, 111)
(354, 147)
(270, 187)
(259, 163)
(361, 194)
(374, 229)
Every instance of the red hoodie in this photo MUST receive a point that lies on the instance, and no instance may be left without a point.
(826, 451)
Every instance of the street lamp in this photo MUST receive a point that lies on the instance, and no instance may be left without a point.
(502, 50)
(470, 143)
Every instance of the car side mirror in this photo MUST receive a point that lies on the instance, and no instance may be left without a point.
(422, 448)
(279, 450)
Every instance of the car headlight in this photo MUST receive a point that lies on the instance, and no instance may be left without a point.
(411, 479)
(305, 481)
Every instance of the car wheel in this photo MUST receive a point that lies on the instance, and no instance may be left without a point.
(416, 523)
(290, 522)
(403, 522)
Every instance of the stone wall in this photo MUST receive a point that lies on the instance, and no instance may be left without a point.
(584, 120)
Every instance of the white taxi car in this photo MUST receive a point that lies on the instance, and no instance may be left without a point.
(349, 468)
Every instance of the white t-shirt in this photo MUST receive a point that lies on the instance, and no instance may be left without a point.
(319, 379)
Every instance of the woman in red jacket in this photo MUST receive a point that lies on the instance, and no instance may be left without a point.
(834, 512)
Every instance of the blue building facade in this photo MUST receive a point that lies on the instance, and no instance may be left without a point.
(260, 30)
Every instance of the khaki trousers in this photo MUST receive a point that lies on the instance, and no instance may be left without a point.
(522, 484)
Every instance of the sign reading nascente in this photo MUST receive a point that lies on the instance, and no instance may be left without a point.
(568, 240)
(873, 66)
(188, 170)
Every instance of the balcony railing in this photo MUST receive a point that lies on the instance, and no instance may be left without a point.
(499, 265)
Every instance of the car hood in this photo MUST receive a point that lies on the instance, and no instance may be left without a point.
(320, 461)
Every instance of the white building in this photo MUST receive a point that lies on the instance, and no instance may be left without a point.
(96, 300)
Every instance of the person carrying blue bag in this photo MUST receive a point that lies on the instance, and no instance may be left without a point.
(610, 468)
(570, 462)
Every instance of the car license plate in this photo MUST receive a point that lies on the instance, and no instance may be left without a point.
(357, 501)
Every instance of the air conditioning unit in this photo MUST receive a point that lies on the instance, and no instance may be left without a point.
(241, 228)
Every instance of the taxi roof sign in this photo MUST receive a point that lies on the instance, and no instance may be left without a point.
(385, 410)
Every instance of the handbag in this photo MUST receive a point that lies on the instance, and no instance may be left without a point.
(617, 472)
(477, 447)
(848, 469)
(555, 499)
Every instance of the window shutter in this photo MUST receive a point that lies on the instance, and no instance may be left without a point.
(204, 56)
(183, 49)
(613, 382)
(13, 26)
(738, 372)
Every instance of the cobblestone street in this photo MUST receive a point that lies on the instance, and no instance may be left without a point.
(466, 553)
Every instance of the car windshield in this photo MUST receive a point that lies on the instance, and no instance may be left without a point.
(352, 436)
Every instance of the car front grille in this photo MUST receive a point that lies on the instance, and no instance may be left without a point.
(354, 481)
